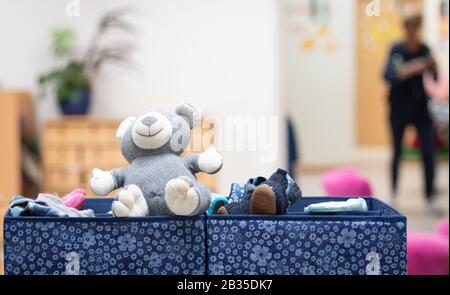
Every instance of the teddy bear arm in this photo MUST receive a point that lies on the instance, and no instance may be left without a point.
(209, 161)
(104, 182)
(191, 163)
(118, 175)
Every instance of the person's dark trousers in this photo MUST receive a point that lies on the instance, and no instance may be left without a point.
(425, 131)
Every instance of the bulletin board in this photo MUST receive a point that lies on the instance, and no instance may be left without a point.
(443, 22)
(309, 21)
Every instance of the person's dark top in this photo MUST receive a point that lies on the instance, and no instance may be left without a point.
(407, 97)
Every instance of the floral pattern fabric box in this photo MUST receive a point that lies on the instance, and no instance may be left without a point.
(104, 245)
(371, 243)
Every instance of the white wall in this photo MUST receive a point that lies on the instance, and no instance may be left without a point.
(320, 90)
(221, 56)
(440, 48)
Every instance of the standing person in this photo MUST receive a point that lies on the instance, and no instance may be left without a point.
(408, 61)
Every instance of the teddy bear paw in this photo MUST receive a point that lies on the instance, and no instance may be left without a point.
(130, 202)
(102, 182)
(210, 161)
(180, 198)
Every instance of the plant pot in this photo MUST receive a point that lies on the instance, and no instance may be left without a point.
(76, 105)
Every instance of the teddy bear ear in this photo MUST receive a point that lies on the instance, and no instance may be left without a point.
(123, 127)
(189, 113)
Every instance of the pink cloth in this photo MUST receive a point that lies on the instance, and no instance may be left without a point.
(427, 254)
(75, 199)
(442, 228)
(437, 89)
(346, 182)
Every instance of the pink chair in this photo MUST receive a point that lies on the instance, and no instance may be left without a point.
(346, 182)
(443, 228)
(428, 252)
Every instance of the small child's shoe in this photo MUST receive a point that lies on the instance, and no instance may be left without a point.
(293, 191)
(263, 201)
(279, 184)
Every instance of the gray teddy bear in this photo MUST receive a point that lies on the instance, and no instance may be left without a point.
(158, 181)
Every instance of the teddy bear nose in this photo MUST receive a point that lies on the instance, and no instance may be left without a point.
(149, 120)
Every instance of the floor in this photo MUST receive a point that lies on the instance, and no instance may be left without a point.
(373, 163)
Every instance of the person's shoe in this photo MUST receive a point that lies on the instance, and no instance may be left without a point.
(263, 201)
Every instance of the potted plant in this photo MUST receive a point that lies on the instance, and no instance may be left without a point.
(71, 81)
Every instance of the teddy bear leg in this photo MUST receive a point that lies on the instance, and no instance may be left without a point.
(184, 197)
(130, 202)
(205, 198)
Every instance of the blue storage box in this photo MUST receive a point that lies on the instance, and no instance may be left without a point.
(372, 243)
(347, 243)
(104, 245)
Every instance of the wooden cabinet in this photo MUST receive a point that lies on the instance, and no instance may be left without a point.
(17, 124)
(73, 146)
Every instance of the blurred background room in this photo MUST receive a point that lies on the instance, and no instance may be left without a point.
(324, 73)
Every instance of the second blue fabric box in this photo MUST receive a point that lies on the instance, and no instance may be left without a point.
(370, 243)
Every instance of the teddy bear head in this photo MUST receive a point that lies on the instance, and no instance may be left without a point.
(157, 132)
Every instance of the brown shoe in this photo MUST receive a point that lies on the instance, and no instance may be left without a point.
(263, 201)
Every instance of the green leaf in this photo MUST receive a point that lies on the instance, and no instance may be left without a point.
(63, 41)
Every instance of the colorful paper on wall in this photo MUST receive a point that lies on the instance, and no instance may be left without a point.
(310, 22)
(444, 21)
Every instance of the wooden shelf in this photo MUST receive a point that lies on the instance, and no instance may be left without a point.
(73, 146)
(16, 121)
